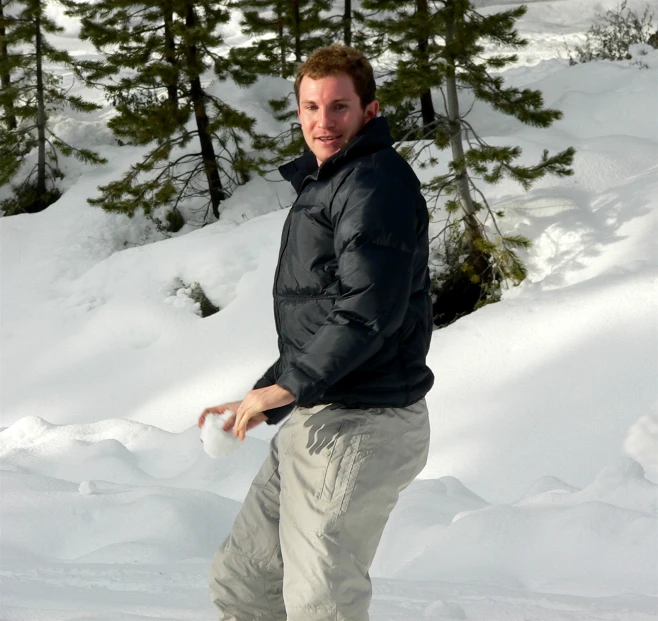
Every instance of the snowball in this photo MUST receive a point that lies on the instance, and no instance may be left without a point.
(87, 488)
(217, 442)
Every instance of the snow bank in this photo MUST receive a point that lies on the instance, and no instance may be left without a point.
(561, 540)
(127, 453)
(117, 491)
(48, 519)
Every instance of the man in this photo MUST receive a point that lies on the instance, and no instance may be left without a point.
(354, 320)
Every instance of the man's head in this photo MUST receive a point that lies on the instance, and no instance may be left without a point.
(335, 91)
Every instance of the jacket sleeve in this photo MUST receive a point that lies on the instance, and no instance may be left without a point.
(374, 219)
(268, 378)
(275, 415)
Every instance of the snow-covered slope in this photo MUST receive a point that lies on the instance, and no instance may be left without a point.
(534, 504)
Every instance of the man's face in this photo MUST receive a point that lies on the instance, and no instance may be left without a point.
(330, 113)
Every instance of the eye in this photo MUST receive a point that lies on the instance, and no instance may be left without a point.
(341, 106)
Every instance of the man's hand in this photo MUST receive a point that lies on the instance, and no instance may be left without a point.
(233, 407)
(255, 403)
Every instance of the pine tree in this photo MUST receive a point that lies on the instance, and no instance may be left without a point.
(347, 20)
(9, 114)
(13, 148)
(288, 32)
(160, 51)
(406, 31)
(295, 29)
(30, 94)
(452, 61)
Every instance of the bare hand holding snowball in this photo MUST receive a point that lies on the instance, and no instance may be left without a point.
(249, 411)
(217, 424)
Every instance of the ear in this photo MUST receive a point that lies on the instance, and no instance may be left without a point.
(371, 110)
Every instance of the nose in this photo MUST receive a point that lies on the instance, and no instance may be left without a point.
(325, 118)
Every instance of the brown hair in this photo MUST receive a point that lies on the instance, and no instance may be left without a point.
(335, 60)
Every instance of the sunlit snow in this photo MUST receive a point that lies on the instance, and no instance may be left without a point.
(539, 500)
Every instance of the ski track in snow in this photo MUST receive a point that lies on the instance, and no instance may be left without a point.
(539, 501)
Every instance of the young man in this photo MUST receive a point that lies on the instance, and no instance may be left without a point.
(354, 320)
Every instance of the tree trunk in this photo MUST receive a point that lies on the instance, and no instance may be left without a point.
(41, 107)
(170, 54)
(427, 108)
(473, 227)
(282, 41)
(426, 104)
(458, 294)
(347, 23)
(298, 31)
(5, 78)
(197, 96)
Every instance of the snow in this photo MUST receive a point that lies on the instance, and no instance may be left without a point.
(539, 500)
(216, 442)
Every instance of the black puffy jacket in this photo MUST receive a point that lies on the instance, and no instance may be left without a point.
(351, 291)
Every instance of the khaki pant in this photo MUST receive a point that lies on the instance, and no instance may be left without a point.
(303, 542)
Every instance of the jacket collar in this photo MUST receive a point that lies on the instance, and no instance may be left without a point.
(297, 170)
(373, 137)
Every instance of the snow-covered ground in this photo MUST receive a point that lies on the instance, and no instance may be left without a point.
(539, 501)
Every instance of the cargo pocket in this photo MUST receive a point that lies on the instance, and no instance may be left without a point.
(340, 466)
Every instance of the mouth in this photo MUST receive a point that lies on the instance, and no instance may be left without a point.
(329, 140)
